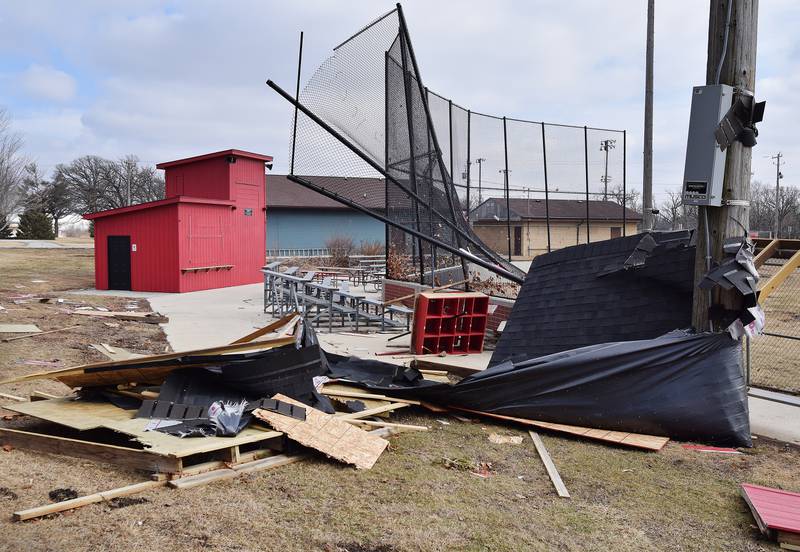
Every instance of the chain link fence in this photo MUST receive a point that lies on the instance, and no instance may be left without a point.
(530, 187)
(774, 358)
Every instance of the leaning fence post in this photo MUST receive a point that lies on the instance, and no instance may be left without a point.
(546, 189)
(586, 165)
(508, 199)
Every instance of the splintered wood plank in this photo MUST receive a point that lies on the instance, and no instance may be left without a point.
(328, 434)
(636, 440)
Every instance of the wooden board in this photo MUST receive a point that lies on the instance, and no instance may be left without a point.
(328, 434)
(635, 440)
(284, 326)
(114, 372)
(83, 415)
(85, 500)
(555, 477)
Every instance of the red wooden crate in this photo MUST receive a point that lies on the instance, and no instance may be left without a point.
(449, 322)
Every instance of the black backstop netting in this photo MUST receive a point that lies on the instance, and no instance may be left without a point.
(364, 114)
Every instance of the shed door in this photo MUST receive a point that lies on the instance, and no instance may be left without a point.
(518, 241)
(119, 262)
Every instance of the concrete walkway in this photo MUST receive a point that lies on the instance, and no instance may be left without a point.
(45, 244)
(219, 316)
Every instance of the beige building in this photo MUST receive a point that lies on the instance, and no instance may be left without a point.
(567, 224)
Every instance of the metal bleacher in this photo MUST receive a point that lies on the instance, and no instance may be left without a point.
(327, 301)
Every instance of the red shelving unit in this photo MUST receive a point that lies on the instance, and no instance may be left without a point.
(452, 322)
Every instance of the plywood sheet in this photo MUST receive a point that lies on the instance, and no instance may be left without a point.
(83, 415)
(328, 434)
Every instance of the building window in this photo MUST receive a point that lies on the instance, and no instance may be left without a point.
(616, 232)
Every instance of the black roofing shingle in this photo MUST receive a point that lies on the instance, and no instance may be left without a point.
(566, 303)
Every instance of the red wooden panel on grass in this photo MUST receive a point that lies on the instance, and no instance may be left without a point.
(774, 509)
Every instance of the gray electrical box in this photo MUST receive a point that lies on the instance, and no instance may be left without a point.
(705, 161)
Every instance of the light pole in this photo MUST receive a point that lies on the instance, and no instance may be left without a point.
(606, 145)
(778, 176)
(480, 161)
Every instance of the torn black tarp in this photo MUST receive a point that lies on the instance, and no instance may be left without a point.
(680, 385)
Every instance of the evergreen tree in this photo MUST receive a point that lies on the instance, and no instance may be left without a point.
(35, 225)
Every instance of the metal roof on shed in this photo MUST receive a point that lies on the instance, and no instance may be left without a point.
(234, 152)
(285, 194)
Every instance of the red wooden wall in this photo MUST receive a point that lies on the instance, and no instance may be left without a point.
(226, 228)
(154, 264)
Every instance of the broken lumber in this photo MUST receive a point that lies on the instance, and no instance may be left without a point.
(555, 477)
(635, 440)
(6, 340)
(286, 325)
(13, 397)
(357, 395)
(114, 372)
(131, 316)
(326, 433)
(388, 424)
(248, 467)
(85, 500)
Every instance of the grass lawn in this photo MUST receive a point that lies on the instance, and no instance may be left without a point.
(421, 494)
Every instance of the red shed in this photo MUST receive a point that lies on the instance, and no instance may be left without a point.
(208, 232)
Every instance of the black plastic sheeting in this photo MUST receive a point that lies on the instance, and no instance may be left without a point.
(635, 287)
(681, 385)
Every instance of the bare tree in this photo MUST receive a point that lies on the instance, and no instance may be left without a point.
(632, 198)
(762, 209)
(86, 179)
(12, 164)
(49, 196)
(670, 214)
(129, 183)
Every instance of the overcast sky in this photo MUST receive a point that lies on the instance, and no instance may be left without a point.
(165, 80)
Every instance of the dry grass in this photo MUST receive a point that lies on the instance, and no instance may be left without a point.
(621, 499)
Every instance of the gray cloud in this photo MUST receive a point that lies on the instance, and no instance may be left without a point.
(166, 80)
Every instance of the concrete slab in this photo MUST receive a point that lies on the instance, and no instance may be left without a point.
(776, 420)
(44, 244)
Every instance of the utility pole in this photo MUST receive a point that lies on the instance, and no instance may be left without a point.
(480, 161)
(647, 174)
(778, 176)
(732, 31)
(606, 145)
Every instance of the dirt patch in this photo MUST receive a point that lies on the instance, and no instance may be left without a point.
(125, 501)
(359, 547)
(60, 495)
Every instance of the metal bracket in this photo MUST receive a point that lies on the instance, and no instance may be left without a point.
(736, 203)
